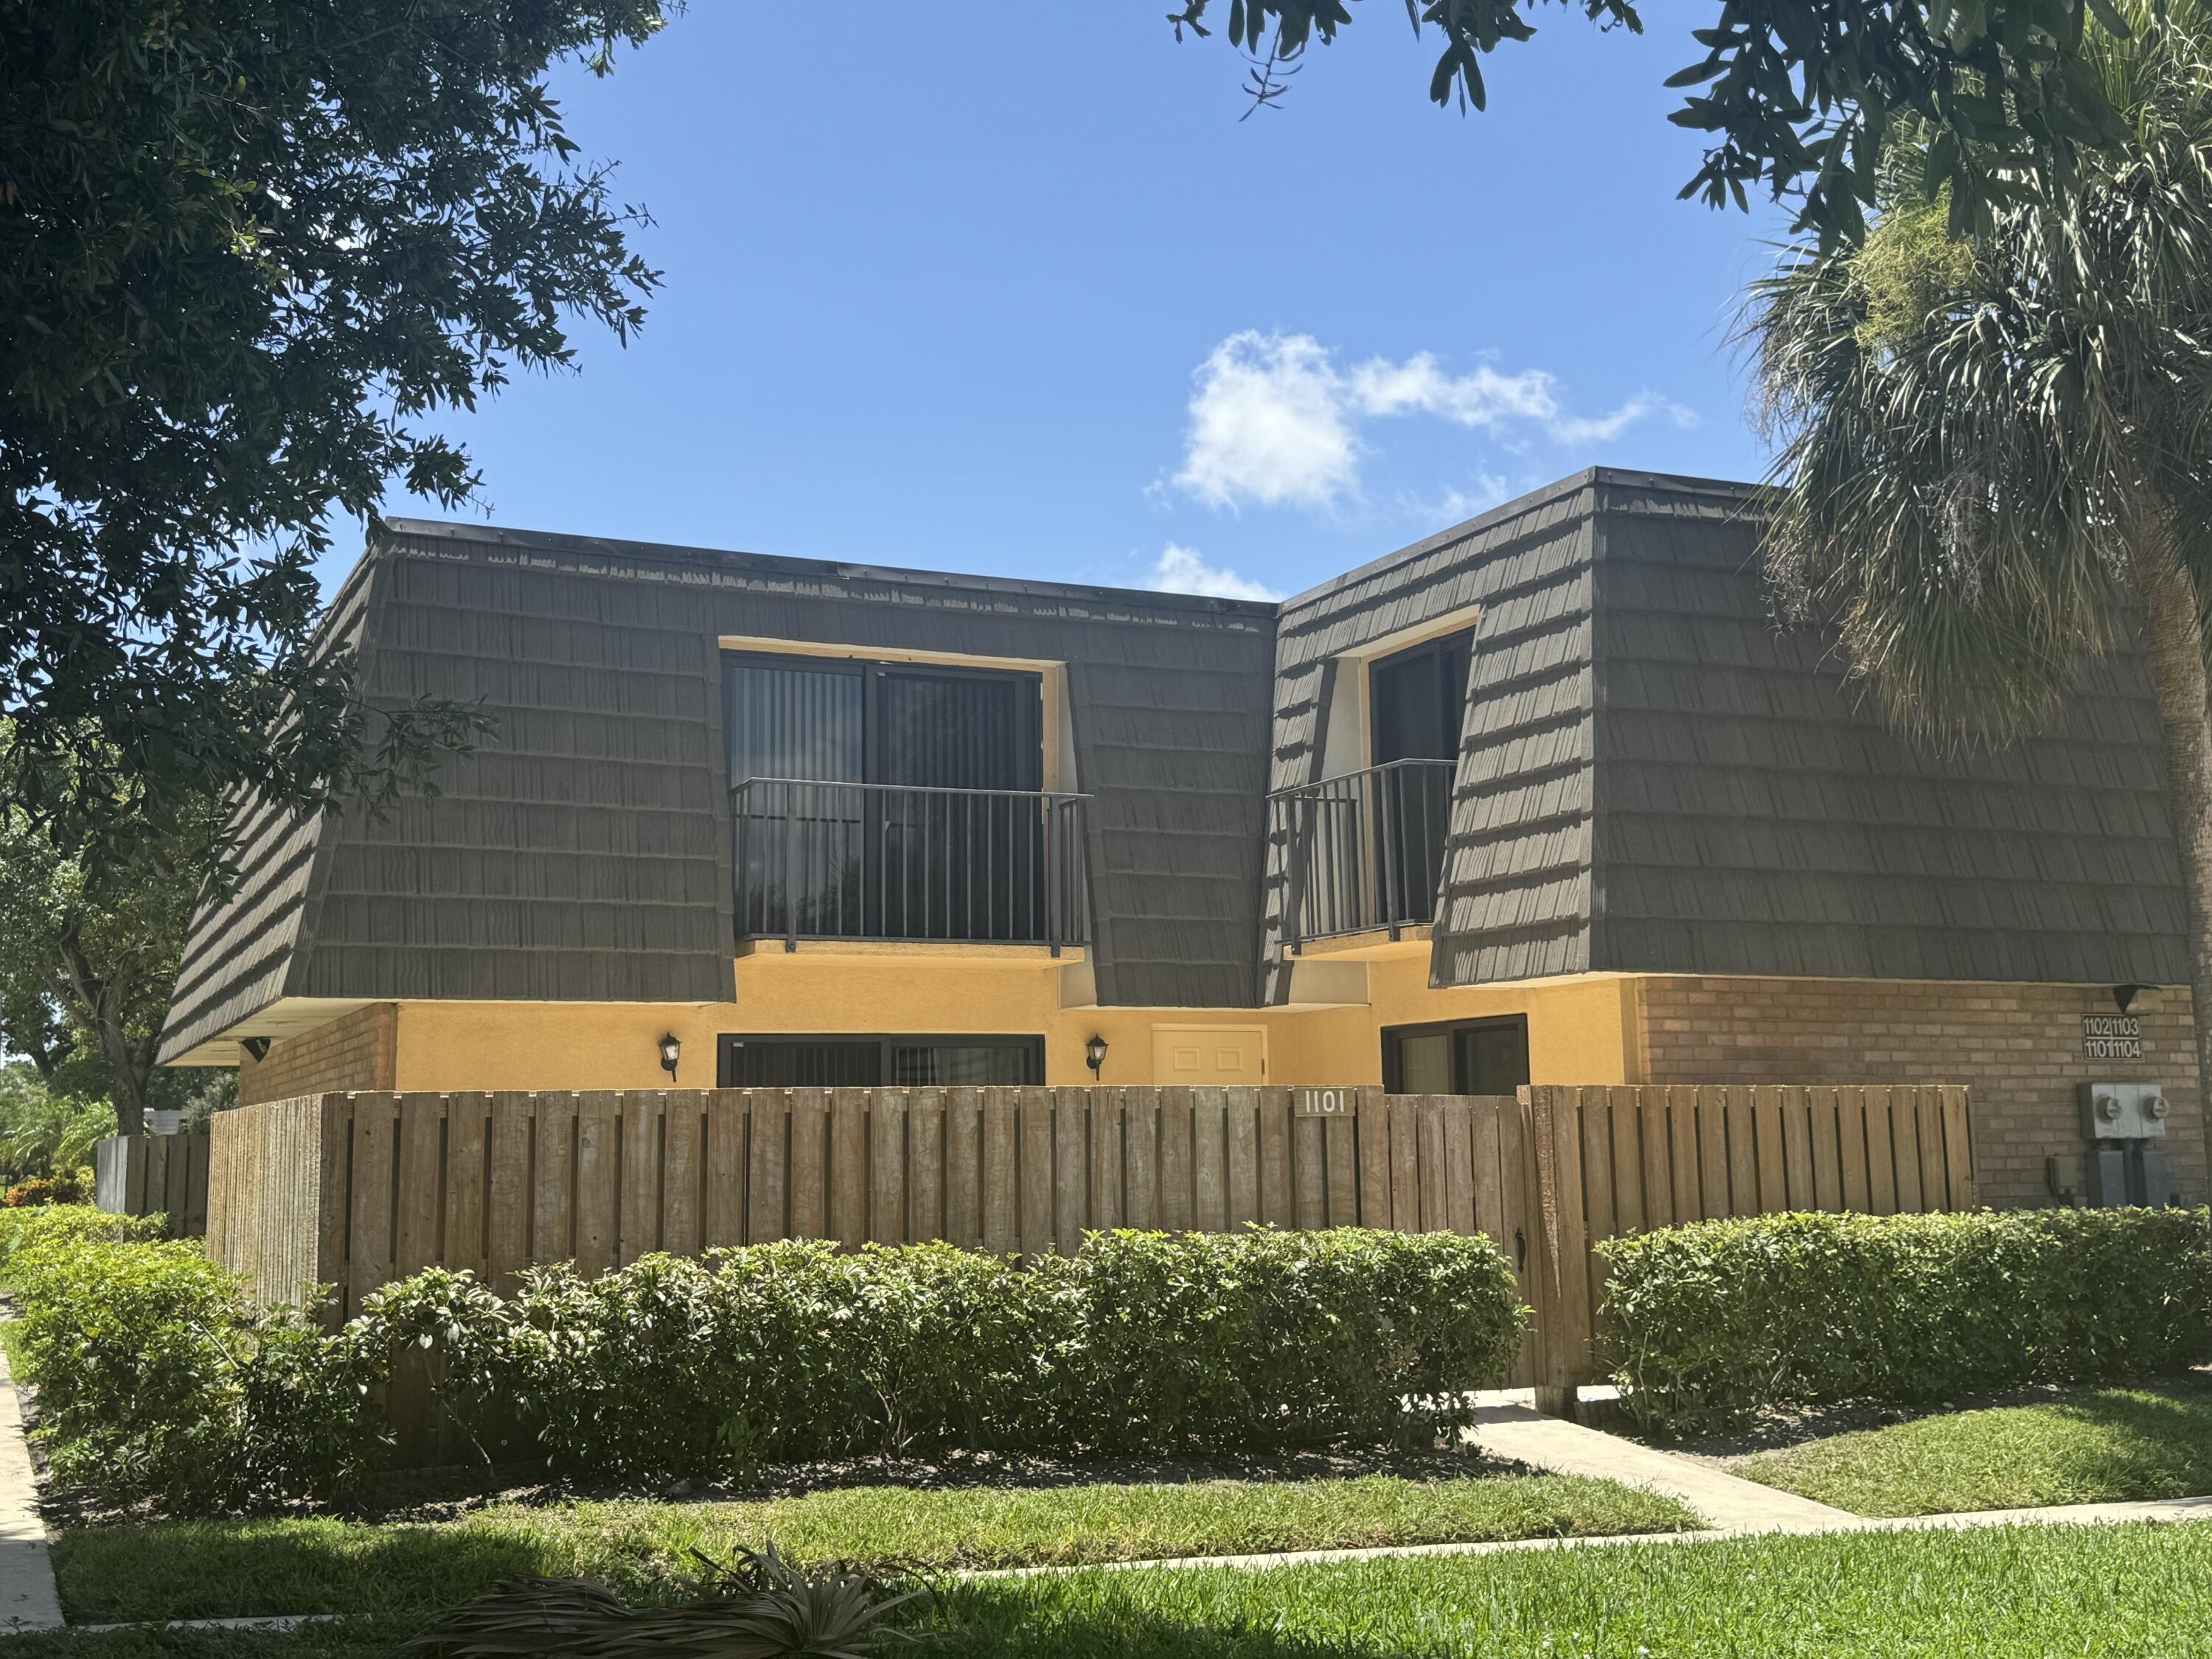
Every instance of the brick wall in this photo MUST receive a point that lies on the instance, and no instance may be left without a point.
(2018, 1047)
(356, 1051)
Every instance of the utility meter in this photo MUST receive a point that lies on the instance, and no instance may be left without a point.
(2124, 1166)
(2125, 1111)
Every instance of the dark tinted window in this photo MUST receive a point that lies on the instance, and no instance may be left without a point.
(1464, 1057)
(905, 1062)
(952, 1065)
(766, 1065)
(1419, 696)
(843, 721)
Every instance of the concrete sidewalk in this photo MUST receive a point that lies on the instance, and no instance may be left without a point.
(27, 1597)
(1728, 1503)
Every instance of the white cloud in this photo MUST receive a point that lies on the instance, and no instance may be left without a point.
(1274, 420)
(1181, 570)
(1267, 424)
(1603, 428)
(1484, 398)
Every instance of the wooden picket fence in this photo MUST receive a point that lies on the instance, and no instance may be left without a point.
(153, 1175)
(356, 1189)
(1615, 1160)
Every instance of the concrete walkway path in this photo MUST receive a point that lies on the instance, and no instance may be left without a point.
(27, 1598)
(1727, 1502)
(2064, 1515)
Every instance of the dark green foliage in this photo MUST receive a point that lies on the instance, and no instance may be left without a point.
(161, 1383)
(1711, 1322)
(245, 247)
(1802, 97)
(155, 1380)
(1144, 1341)
(1273, 1338)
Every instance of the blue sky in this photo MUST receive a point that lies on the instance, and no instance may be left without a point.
(1020, 294)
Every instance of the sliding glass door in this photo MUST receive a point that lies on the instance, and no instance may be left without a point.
(1418, 698)
(884, 800)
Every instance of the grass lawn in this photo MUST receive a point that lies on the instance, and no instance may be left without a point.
(2099, 1445)
(182, 1570)
(2135, 1592)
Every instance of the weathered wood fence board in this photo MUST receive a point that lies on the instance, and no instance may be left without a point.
(1615, 1160)
(155, 1175)
(354, 1190)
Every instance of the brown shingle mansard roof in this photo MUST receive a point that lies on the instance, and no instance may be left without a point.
(584, 854)
(1652, 778)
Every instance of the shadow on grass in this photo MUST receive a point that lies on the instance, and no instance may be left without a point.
(224, 1569)
(2149, 1442)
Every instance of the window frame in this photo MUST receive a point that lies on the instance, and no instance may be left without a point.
(1393, 1035)
(1031, 1044)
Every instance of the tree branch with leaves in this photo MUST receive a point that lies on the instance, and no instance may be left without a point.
(1802, 98)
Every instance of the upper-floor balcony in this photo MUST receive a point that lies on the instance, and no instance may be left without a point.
(1362, 852)
(819, 860)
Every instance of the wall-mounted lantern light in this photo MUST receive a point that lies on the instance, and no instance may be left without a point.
(672, 1050)
(2124, 995)
(1094, 1054)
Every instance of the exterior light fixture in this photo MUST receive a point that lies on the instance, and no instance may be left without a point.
(1094, 1054)
(2124, 995)
(672, 1050)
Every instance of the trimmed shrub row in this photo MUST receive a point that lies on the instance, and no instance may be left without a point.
(155, 1380)
(1711, 1322)
(64, 1223)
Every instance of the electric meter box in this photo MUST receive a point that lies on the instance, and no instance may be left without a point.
(2124, 1111)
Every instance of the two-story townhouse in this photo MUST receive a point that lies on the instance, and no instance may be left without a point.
(1544, 798)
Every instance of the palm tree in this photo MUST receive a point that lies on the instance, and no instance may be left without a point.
(1995, 453)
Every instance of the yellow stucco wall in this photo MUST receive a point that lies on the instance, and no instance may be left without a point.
(1575, 1025)
(1580, 1028)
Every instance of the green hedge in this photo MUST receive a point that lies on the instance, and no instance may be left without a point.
(45, 1224)
(156, 1381)
(1711, 1322)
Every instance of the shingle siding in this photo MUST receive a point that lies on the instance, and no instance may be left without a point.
(583, 852)
(1514, 891)
(1651, 777)
(243, 947)
(1757, 815)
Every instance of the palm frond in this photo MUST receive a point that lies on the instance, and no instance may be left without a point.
(757, 1606)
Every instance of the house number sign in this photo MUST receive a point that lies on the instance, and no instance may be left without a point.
(1327, 1103)
(2111, 1037)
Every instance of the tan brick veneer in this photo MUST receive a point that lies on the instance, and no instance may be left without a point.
(2017, 1046)
(359, 1051)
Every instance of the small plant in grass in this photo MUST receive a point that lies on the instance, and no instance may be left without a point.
(754, 1607)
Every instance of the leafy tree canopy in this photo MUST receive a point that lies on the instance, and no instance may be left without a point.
(245, 247)
(1801, 97)
(88, 950)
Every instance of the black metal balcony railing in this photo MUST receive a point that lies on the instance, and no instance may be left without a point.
(1362, 852)
(894, 861)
